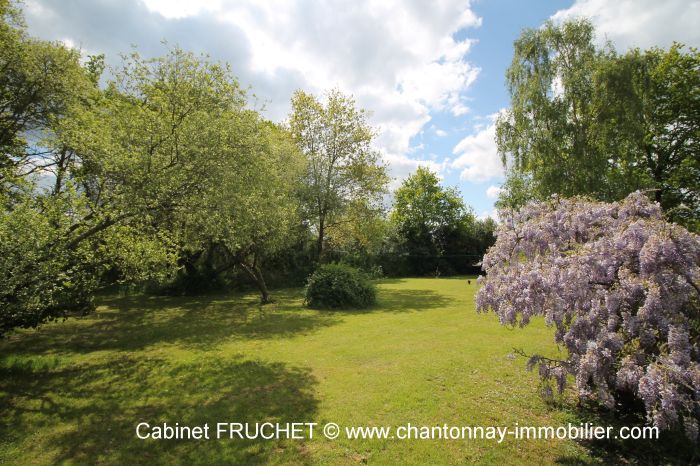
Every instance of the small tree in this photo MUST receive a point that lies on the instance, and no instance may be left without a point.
(622, 288)
(250, 211)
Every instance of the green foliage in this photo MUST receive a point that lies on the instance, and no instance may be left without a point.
(345, 179)
(338, 286)
(130, 165)
(56, 243)
(516, 191)
(649, 106)
(548, 129)
(434, 228)
(41, 280)
(45, 277)
(39, 83)
(588, 121)
(250, 211)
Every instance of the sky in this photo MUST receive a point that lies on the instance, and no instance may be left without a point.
(432, 73)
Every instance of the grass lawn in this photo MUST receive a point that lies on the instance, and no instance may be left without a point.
(73, 392)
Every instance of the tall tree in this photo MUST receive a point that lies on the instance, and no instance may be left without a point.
(343, 169)
(590, 121)
(548, 131)
(648, 104)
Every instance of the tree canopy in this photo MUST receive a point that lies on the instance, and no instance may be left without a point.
(433, 223)
(589, 121)
(121, 183)
(343, 170)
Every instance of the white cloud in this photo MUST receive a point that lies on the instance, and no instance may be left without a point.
(398, 58)
(493, 191)
(477, 155)
(640, 23)
(181, 8)
(493, 214)
(402, 166)
(440, 133)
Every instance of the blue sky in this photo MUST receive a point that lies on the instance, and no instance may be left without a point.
(431, 72)
(502, 21)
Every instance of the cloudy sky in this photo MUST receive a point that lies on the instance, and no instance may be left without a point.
(431, 72)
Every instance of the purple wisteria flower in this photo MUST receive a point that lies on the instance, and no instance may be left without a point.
(620, 285)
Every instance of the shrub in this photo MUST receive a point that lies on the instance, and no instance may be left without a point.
(376, 272)
(338, 286)
(621, 286)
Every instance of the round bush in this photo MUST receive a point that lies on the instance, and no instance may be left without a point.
(337, 286)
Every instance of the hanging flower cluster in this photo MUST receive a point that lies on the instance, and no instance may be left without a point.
(620, 285)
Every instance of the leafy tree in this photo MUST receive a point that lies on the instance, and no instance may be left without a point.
(622, 288)
(40, 81)
(343, 170)
(49, 265)
(432, 222)
(548, 131)
(648, 104)
(140, 158)
(585, 121)
(252, 210)
(154, 139)
(358, 236)
(194, 162)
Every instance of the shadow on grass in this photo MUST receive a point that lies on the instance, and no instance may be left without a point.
(136, 322)
(400, 300)
(74, 392)
(393, 300)
(669, 448)
(87, 414)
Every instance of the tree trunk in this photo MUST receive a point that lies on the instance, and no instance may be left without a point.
(254, 272)
(319, 243)
(60, 171)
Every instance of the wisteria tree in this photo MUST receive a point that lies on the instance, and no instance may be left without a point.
(622, 288)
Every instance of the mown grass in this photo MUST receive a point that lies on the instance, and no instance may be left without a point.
(73, 392)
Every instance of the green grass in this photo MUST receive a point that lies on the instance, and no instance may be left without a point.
(73, 392)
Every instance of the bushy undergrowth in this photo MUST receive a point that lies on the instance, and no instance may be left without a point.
(337, 286)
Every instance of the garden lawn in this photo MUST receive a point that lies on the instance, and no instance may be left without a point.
(73, 392)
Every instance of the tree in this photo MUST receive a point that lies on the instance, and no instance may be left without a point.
(342, 169)
(49, 265)
(199, 166)
(252, 210)
(585, 121)
(39, 83)
(433, 223)
(140, 155)
(620, 285)
(649, 111)
(548, 131)
(357, 237)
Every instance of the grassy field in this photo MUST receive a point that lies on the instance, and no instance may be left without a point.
(74, 391)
